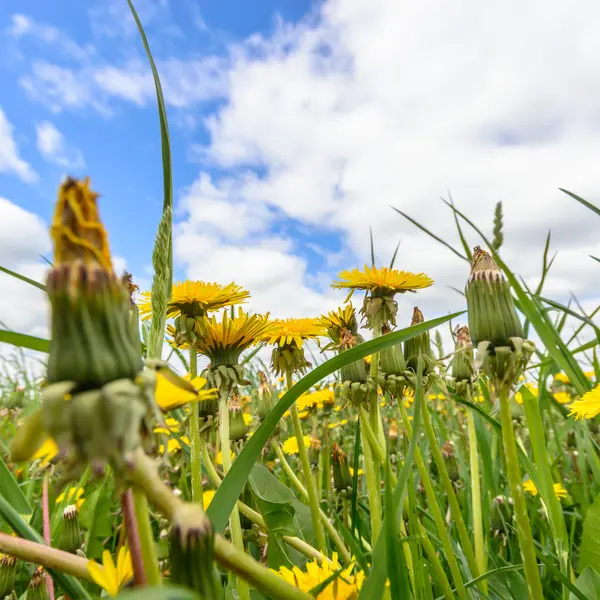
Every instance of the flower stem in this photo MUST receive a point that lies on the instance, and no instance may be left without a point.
(196, 462)
(313, 501)
(46, 530)
(144, 527)
(326, 475)
(133, 538)
(532, 574)
(373, 486)
(477, 514)
(234, 518)
(463, 534)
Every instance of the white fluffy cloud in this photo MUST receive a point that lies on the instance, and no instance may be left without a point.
(10, 159)
(55, 149)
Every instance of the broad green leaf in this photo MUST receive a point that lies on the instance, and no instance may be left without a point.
(590, 539)
(274, 500)
(12, 492)
(69, 584)
(588, 583)
(231, 487)
(32, 282)
(24, 341)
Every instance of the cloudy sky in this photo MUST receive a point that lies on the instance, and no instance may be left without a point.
(295, 126)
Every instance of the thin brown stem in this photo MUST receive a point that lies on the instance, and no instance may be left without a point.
(133, 538)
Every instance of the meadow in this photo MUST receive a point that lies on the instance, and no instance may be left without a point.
(364, 459)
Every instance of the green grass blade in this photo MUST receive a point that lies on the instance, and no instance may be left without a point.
(32, 282)
(582, 201)
(231, 487)
(372, 247)
(461, 235)
(12, 492)
(69, 584)
(394, 255)
(24, 341)
(430, 234)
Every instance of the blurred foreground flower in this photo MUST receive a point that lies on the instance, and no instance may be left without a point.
(109, 576)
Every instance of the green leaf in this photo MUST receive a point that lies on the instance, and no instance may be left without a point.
(96, 514)
(24, 341)
(32, 282)
(229, 490)
(69, 584)
(12, 492)
(580, 199)
(170, 592)
(590, 539)
(274, 500)
(588, 583)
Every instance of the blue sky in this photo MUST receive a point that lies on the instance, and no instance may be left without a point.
(294, 127)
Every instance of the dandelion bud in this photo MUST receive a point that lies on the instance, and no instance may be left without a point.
(37, 587)
(192, 551)
(265, 396)
(237, 426)
(69, 538)
(342, 480)
(356, 371)
(92, 341)
(501, 515)
(462, 361)
(314, 451)
(391, 360)
(8, 574)
(419, 346)
(492, 314)
(450, 460)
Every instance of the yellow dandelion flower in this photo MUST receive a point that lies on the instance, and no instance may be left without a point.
(382, 280)
(219, 457)
(288, 332)
(360, 472)
(559, 490)
(247, 418)
(174, 444)
(344, 587)
(564, 378)
(110, 577)
(194, 298)
(207, 497)
(338, 424)
(73, 496)
(290, 446)
(343, 317)
(223, 341)
(589, 405)
(532, 388)
(46, 452)
(169, 395)
(563, 397)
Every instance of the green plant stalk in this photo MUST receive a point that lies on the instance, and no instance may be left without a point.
(477, 515)
(195, 459)
(313, 501)
(525, 536)
(463, 534)
(148, 548)
(143, 473)
(331, 530)
(234, 519)
(326, 465)
(257, 519)
(373, 486)
(555, 514)
(436, 565)
(436, 512)
(375, 416)
(376, 449)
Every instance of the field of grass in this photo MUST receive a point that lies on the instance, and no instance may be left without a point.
(390, 468)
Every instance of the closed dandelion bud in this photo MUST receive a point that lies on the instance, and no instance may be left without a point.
(450, 460)
(342, 480)
(69, 538)
(92, 341)
(265, 396)
(391, 360)
(8, 574)
(501, 515)
(191, 544)
(418, 346)
(462, 367)
(355, 371)
(314, 451)
(37, 589)
(492, 314)
(289, 359)
(237, 426)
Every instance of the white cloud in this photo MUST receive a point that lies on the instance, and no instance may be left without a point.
(54, 148)
(10, 160)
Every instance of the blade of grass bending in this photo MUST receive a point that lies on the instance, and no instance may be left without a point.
(375, 583)
(70, 585)
(570, 312)
(581, 200)
(554, 345)
(36, 284)
(430, 234)
(24, 341)
(231, 487)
